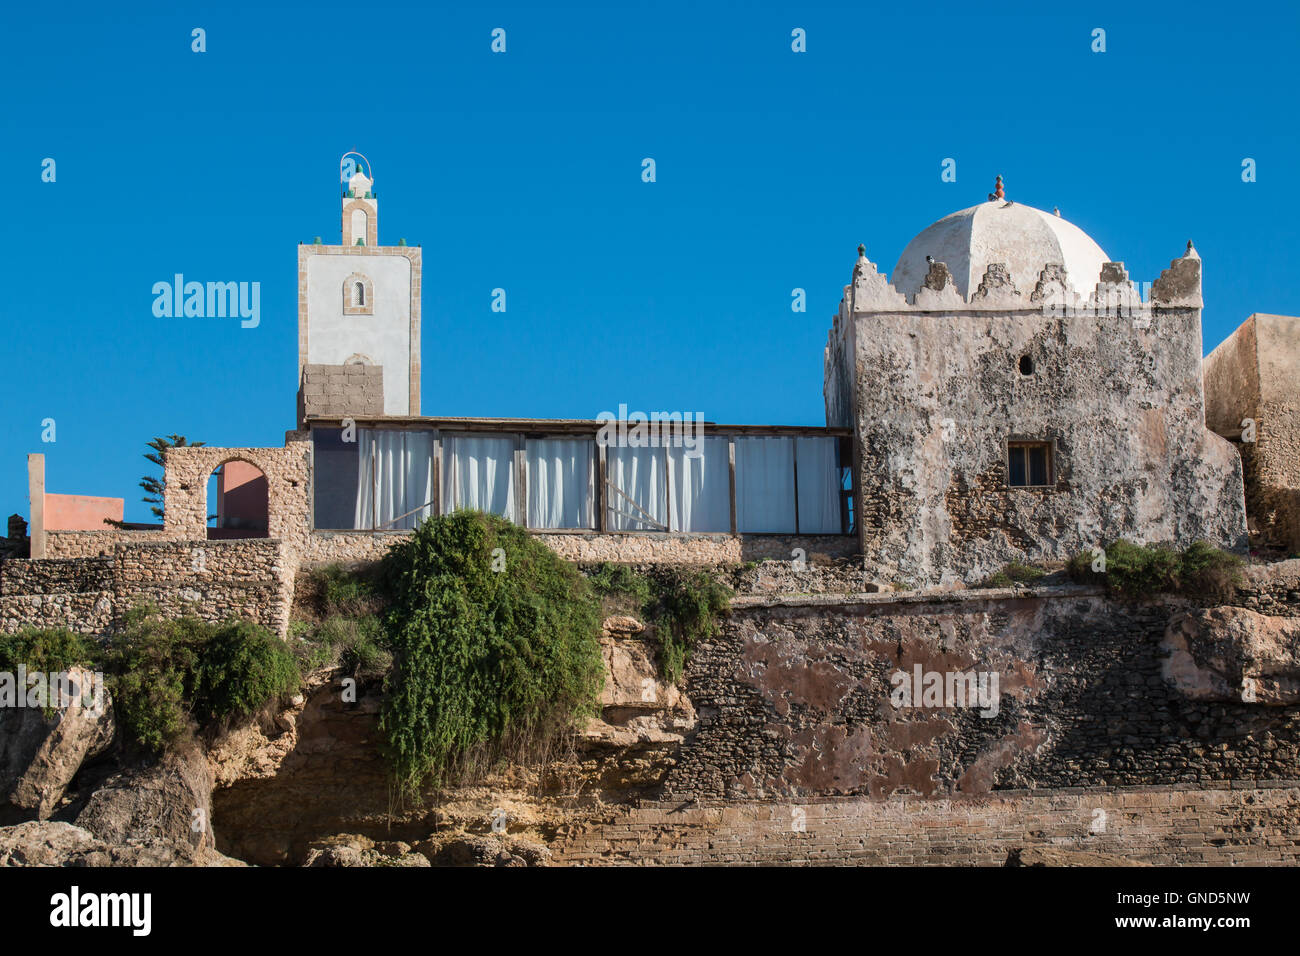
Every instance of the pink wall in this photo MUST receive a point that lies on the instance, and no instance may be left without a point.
(80, 512)
(241, 498)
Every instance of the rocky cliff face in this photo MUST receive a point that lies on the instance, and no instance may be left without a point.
(311, 786)
(308, 785)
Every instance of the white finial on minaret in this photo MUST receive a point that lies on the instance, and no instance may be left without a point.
(360, 208)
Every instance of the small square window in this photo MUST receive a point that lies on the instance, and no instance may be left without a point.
(1029, 464)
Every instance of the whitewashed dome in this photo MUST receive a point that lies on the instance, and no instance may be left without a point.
(1021, 237)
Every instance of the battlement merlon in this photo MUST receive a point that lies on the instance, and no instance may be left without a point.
(1178, 287)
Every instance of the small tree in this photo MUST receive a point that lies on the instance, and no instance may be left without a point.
(154, 486)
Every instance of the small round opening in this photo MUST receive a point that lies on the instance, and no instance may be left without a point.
(1026, 365)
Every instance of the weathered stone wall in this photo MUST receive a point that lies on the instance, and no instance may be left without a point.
(1259, 825)
(90, 612)
(794, 698)
(212, 580)
(1253, 374)
(941, 394)
(694, 548)
(91, 544)
(287, 471)
(324, 547)
(55, 576)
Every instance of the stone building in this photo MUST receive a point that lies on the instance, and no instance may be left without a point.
(1252, 398)
(1013, 398)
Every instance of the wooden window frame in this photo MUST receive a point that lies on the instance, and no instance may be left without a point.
(1049, 447)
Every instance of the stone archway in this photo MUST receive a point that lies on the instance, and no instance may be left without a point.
(238, 501)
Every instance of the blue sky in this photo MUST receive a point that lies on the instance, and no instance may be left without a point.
(523, 171)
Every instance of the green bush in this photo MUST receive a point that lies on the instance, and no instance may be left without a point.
(686, 611)
(153, 664)
(496, 652)
(49, 650)
(347, 593)
(242, 668)
(358, 645)
(168, 677)
(1134, 570)
(621, 579)
(1210, 571)
(1012, 574)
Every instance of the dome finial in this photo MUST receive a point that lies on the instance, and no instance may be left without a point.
(998, 192)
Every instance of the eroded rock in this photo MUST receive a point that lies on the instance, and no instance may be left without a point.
(39, 754)
(1234, 654)
(637, 706)
(38, 843)
(169, 801)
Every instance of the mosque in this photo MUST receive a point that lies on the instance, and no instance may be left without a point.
(1006, 394)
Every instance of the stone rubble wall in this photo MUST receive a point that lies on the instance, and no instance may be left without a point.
(794, 698)
(324, 547)
(88, 613)
(55, 576)
(94, 544)
(1118, 402)
(1254, 825)
(213, 580)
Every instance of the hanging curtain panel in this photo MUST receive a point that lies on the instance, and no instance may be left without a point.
(819, 485)
(479, 473)
(394, 477)
(765, 485)
(560, 482)
(638, 496)
(701, 487)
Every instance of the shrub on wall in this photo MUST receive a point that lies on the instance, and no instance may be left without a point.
(1134, 570)
(341, 624)
(1011, 575)
(48, 650)
(496, 647)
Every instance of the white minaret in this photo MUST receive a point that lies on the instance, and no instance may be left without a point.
(359, 304)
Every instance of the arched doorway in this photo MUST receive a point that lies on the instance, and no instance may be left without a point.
(237, 501)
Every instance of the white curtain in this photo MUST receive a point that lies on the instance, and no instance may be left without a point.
(479, 473)
(639, 474)
(701, 487)
(765, 484)
(819, 485)
(560, 482)
(397, 465)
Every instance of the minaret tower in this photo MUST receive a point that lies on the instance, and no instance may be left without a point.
(358, 314)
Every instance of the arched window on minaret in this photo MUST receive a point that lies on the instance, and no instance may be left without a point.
(360, 212)
(358, 295)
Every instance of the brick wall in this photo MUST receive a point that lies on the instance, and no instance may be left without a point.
(339, 391)
(1258, 825)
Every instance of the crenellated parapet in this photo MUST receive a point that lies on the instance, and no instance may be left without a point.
(1180, 284)
(1112, 290)
(1115, 292)
(871, 291)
